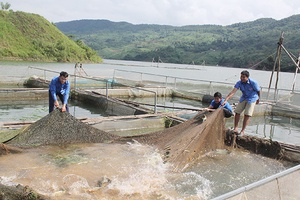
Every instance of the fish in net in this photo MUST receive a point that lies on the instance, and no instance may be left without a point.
(180, 145)
(59, 128)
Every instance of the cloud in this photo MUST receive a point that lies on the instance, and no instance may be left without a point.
(164, 12)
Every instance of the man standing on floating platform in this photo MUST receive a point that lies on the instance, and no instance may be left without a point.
(250, 96)
(217, 103)
(59, 86)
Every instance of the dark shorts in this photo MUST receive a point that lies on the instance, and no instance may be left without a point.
(227, 113)
(51, 102)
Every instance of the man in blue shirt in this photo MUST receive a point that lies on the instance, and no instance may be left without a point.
(217, 103)
(59, 86)
(250, 96)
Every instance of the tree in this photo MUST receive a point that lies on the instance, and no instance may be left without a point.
(5, 6)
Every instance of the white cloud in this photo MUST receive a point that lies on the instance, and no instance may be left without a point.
(168, 12)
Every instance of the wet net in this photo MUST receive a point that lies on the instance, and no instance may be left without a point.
(59, 128)
(7, 149)
(182, 144)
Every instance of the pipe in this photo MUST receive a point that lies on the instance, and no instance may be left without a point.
(258, 183)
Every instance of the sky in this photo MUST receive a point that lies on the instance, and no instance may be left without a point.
(162, 12)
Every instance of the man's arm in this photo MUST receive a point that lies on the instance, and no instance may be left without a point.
(52, 88)
(233, 91)
(257, 101)
(209, 108)
(66, 98)
(67, 93)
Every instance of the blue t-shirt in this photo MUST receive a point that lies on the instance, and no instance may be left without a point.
(249, 89)
(217, 105)
(56, 87)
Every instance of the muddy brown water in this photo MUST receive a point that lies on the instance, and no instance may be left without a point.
(130, 170)
(215, 173)
(134, 171)
(137, 171)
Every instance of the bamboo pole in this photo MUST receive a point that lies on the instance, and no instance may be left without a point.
(296, 64)
(271, 78)
(278, 70)
(278, 54)
(297, 68)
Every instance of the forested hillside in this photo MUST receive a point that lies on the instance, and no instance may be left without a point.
(30, 37)
(252, 44)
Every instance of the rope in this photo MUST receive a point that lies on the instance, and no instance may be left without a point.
(253, 66)
(22, 78)
(262, 60)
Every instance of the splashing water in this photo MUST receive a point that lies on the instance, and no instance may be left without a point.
(146, 175)
(132, 171)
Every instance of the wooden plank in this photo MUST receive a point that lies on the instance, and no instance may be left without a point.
(112, 118)
(8, 125)
(161, 106)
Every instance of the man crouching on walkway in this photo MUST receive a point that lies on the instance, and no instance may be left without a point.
(217, 103)
(250, 96)
(59, 86)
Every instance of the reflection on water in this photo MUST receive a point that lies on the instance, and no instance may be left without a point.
(283, 129)
(231, 171)
(35, 109)
(19, 71)
(277, 128)
(23, 110)
(129, 171)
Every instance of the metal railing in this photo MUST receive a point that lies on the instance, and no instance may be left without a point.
(183, 84)
(100, 80)
(268, 94)
(260, 183)
(166, 78)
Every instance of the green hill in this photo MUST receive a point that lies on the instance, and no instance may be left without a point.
(251, 44)
(30, 37)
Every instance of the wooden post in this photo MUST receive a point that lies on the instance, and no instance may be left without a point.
(277, 61)
(278, 67)
(297, 68)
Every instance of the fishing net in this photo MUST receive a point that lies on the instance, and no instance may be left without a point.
(182, 144)
(19, 192)
(59, 128)
(6, 149)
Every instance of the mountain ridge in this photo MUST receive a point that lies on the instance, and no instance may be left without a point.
(30, 37)
(237, 45)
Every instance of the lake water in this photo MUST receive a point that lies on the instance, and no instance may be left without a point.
(279, 128)
(136, 171)
(19, 70)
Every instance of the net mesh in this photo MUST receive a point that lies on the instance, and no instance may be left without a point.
(59, 128)
(180, 145)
